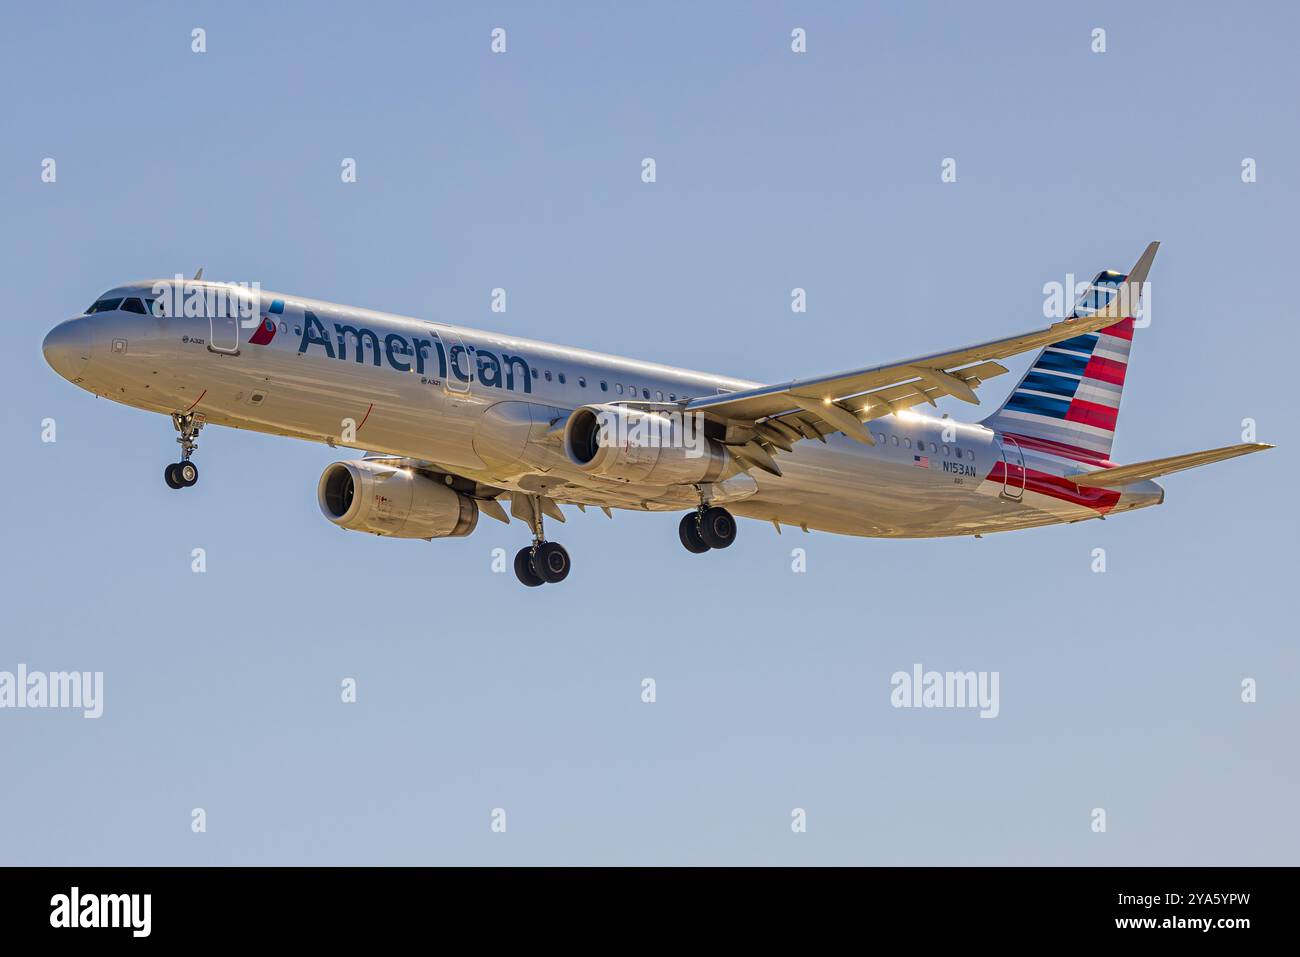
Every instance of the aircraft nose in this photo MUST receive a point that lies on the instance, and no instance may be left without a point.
(67, 348)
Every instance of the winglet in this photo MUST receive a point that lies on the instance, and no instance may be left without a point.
(1143, 266)
(1130, 293)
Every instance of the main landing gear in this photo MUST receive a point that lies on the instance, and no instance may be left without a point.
(707, 527)
(542, 562)
(184, 473)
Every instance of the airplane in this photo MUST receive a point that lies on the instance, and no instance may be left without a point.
(458, 421)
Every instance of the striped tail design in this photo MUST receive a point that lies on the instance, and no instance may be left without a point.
(1068, 402)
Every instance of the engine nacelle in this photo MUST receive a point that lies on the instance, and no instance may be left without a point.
(400, 503)
(645, 447)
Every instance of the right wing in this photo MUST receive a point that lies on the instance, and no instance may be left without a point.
(814, 408)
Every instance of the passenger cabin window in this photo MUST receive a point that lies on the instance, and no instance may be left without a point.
(618, 387)
(561, 378)
(645, 393)
(134, 305)
(582, 382)
(604, 386)
(907, 443)
(548, 375)
(659, 396)
(893, 440)
(104, 305)
(958, 451)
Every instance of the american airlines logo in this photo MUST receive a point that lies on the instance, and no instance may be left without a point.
(424, 356)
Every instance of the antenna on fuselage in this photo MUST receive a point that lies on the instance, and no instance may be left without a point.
(198, 275)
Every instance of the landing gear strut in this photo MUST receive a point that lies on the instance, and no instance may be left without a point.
(184, 473)
(542, 562)
(707, 527)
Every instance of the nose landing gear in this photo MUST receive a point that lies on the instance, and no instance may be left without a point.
(181, 474)
(184, 473)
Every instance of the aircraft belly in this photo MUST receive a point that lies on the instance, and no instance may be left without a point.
(356, 405)
(851, 489)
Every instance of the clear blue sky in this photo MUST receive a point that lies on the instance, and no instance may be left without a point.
(775, 170)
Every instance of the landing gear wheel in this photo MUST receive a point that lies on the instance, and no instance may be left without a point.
(717, 527)
(552, 562)
(689, 532)
(185, 473)
(524, 568)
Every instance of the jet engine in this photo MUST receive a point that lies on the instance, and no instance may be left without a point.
(649, 447)
(385, 500)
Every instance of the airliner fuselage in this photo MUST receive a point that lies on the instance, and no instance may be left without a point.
(489, 408)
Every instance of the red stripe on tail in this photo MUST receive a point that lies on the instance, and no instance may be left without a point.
(1121, 330)
(1105, 370)
(1089, 413)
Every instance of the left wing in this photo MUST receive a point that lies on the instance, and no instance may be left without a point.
(814, 408)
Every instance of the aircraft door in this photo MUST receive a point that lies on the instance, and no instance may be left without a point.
(1013, 468)
(223, 325)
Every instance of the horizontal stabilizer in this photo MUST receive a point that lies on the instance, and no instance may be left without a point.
(1141, 471)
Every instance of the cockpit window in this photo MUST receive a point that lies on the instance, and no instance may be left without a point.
(104, 305)
(155, 307)
(133, 305)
